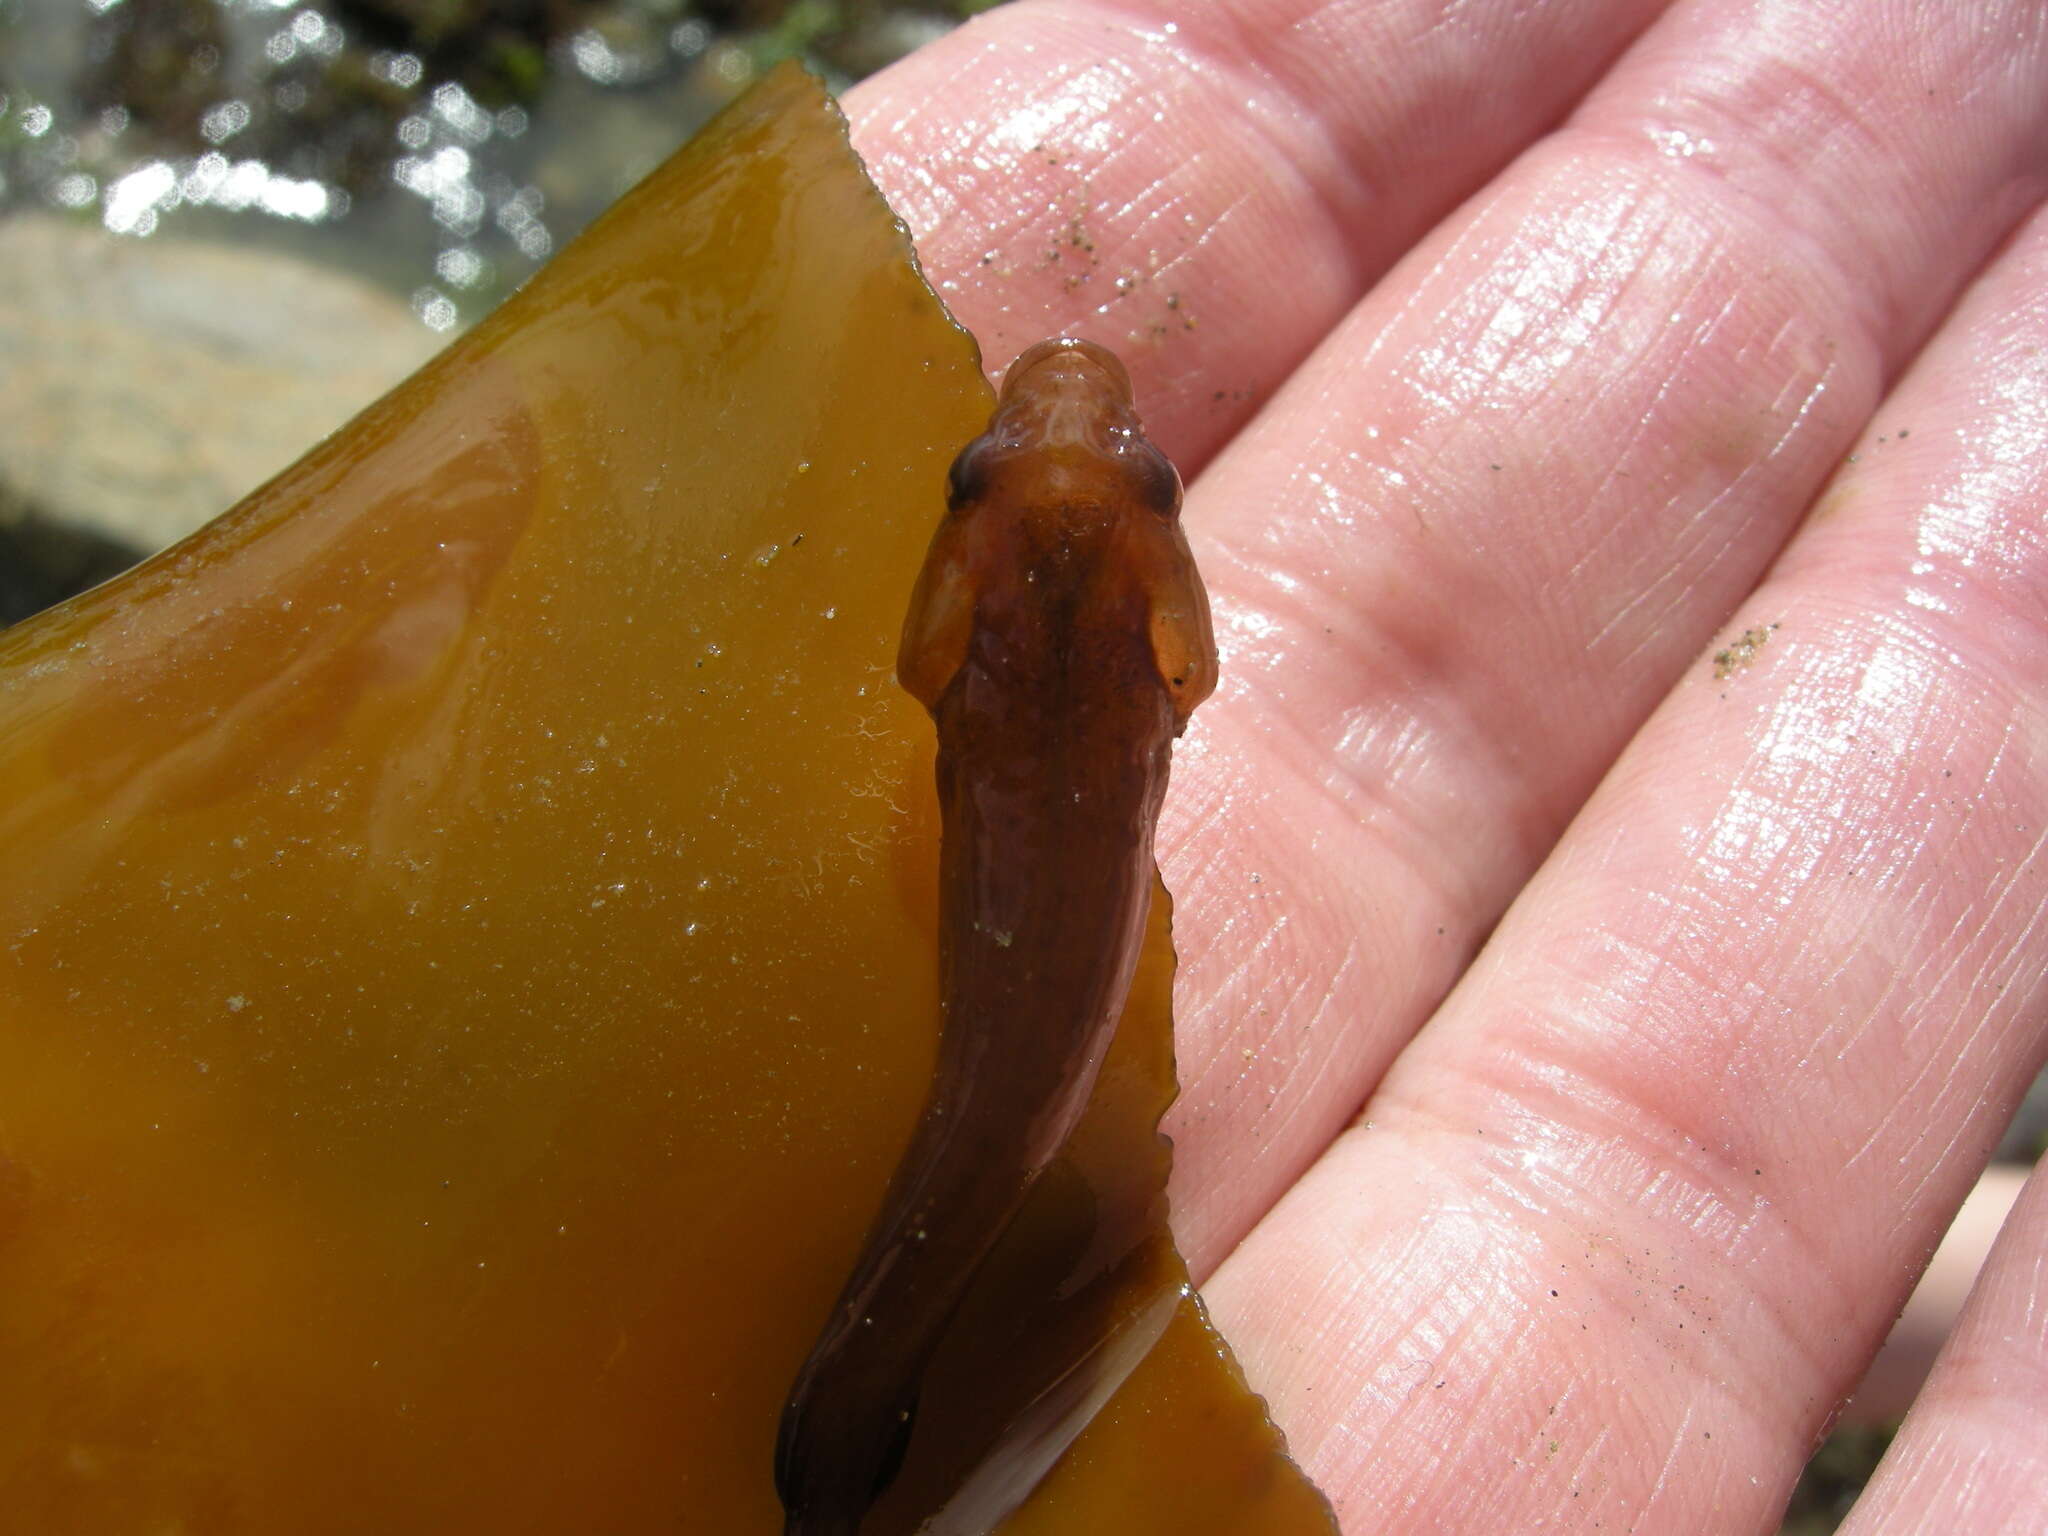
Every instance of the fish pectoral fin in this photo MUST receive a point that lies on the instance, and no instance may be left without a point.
(1183, 643)
(940, 621)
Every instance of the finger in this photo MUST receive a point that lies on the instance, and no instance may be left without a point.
(1901, 1368)
(1206, 188)
(1458, 561)
(1629, 1217)
(1972, 1455)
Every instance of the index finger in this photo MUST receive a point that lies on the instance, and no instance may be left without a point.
(1207, 188)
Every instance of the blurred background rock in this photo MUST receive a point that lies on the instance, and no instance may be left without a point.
(227, 225)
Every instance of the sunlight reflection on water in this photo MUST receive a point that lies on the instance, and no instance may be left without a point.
(281, 123)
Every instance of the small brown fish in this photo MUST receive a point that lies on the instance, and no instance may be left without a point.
(1060, 637)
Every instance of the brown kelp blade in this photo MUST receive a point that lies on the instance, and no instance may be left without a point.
(465, 938)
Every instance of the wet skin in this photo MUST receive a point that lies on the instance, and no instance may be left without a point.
(1060, 637)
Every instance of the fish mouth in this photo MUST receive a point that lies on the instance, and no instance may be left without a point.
(1067, 362)
(1068, 392)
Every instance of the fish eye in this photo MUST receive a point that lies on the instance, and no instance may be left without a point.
(1155, 480)
(967, 477)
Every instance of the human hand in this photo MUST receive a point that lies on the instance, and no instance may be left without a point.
(1618, 446)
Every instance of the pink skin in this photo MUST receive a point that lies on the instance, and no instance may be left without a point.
(1680, 1011)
